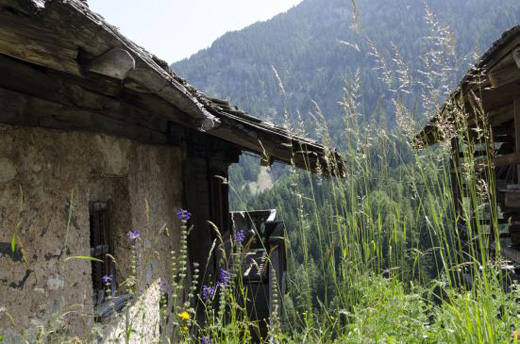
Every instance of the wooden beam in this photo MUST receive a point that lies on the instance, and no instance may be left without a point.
(24, 110)
(516, 116)
(504, 76)
(475, 154)
(512, 200)
(503, 160)
(455, 178)
(516, 56)
(495, 98)
(510, 253)
(21, 38)
(508, 159)
(502, 55)
(504, 61)
(489, 222)
(115, 63)
(85, 94)
(500, 131)
(277, 147)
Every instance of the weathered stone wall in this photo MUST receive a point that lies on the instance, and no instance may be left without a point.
(142, 318)
(47, 174)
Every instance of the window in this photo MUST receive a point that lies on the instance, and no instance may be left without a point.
(101, 247)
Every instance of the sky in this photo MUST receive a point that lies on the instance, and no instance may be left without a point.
(176, 29)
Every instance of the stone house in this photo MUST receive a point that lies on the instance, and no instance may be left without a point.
(98, 138)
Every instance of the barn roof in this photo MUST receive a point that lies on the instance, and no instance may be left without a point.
(493, 73)
(66, 36)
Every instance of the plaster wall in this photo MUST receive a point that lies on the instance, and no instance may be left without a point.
(47, 180)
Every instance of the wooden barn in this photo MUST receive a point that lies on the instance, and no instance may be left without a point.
(99, 138)
(487, 104)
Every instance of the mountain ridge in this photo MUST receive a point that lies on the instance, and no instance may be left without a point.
(302, 44)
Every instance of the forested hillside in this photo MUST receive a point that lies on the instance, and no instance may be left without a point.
(303, 45)
(319, 45)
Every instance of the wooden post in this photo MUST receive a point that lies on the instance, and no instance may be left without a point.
(516, 56)
(455, 174)
(492, 196)
(516, 116)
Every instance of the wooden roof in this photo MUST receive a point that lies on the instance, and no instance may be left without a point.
(492, 83)
(66, 36)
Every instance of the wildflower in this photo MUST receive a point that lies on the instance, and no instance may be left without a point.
(162, 284)
(185, 328)
(205, 340)
(224, 278)
(183, 215)
(107, 279)
(184, 315)
(133, 236)
(207, 292)
(240, 236)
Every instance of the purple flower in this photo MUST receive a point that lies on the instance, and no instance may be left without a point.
(207, 292)
(107, 279)
(133, 236)
(183, 215)
(224, 278)
(205, 340)
(162, 284)
(240, 236)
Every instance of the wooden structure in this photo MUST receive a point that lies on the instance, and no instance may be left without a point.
(264, 267)
(86, 110)
(489, 98)
(65, 37)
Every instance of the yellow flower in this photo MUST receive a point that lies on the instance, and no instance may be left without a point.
(185, 328)
(184, 315)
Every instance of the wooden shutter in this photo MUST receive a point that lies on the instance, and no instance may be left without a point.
(219, 199)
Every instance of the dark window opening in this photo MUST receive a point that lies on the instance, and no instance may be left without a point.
(101, 247)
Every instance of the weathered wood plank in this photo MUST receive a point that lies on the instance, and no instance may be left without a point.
(502, 55)
(87, 30)
(146, 110)
(456, 181)
(516, 116)
(514, 188)
(21, 38)
(309, 159)
(116, 63)
(503, 160)
(25, 110)
(508, 159)
(510, 253)
(512, 200)
(505, 75)
(495, 98)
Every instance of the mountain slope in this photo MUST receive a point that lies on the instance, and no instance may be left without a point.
(303, 45)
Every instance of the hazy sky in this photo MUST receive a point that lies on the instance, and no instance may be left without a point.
(175, 29)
